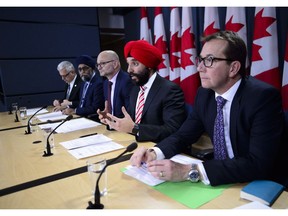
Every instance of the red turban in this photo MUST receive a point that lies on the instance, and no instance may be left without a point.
(144, 52)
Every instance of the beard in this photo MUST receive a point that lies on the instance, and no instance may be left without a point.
(86, 78)
(143, 77)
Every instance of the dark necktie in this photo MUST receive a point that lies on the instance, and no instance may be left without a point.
(109, 97)
(220, 151)
(140, 105)
(68, 92)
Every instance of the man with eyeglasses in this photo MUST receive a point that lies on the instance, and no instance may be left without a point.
(117, 85)
(157, 106)
(91, 94)
(72, 88)
(247, 146)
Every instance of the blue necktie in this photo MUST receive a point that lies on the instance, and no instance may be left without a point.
(220, 151)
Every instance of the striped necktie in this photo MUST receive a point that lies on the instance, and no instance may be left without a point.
(140, 105)
(220, 151)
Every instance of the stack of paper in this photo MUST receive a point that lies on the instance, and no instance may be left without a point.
(90, 146)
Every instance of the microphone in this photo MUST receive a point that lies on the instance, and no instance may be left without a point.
(48, 147)
(97, 204)
(28, 131)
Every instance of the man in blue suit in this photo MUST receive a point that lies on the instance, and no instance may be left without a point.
(253, 122)
(109, 66)
(91, 94)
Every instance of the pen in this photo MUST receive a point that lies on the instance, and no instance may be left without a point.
(88, 135)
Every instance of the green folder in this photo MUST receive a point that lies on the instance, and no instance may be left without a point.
(192, 195)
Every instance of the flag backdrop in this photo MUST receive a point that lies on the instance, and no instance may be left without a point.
(175, 45)
(189, 76)
(211, 21)
(160, 42)
(145, 30)
(179, 51)
(265, 41)
(285, 78)
(236, 21)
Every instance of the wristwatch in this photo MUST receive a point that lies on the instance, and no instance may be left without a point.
(135, 129)
(193, 175)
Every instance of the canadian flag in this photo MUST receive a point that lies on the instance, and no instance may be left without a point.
(265, 47)
(175, 45)
(145, 30)
(236, 21)
(189, 76)
(160, 42)
(285, 79)
(211, 21)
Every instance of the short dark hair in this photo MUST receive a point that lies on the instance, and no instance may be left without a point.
(236, 49)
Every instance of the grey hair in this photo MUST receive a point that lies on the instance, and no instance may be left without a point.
(68, 66)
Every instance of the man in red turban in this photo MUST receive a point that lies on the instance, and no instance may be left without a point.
(157, 107)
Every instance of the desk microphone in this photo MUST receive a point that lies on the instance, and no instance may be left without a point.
(48, 147)
(28, 131)
(97, 204)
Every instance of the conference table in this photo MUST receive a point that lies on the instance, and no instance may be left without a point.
(30, 181)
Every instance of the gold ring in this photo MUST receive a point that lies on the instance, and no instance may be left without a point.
(161, 174)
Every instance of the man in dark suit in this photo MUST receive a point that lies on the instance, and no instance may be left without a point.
(109, 66)
(91, 94)
(72, 88)
(253, 121)
(159, 110)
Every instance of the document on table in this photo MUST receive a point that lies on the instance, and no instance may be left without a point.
(85, 141)
(144, 176)
(96, 149)
(51, 116)
(72, 125)
(31, 111)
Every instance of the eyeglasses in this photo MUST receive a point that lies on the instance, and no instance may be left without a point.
(208, 61)
(102, 64)
(84, 68)
(64, 76)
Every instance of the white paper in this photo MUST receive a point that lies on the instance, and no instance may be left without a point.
(144, 176)
(85, 141)
(92, 150)
(31, 111)
(72, 125)
(52, 116)
(254, 205)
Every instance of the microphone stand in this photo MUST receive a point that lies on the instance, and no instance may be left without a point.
(16, 116)
(98, 204)
(48, 147)
(28, 131)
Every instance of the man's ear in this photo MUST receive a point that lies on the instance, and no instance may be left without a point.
(234, 68)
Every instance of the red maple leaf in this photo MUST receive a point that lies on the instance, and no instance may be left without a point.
(233, 26)
(175, 47)
(187, 43)
(161, 45)
(260, 25)
(210, 29)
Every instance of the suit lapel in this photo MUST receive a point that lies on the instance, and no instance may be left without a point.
(235, 107)
(152, 92)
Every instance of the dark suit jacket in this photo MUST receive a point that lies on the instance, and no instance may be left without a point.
(164, 110)
(121, 93)
(94, 98)
(74, 96)
(256, 129)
